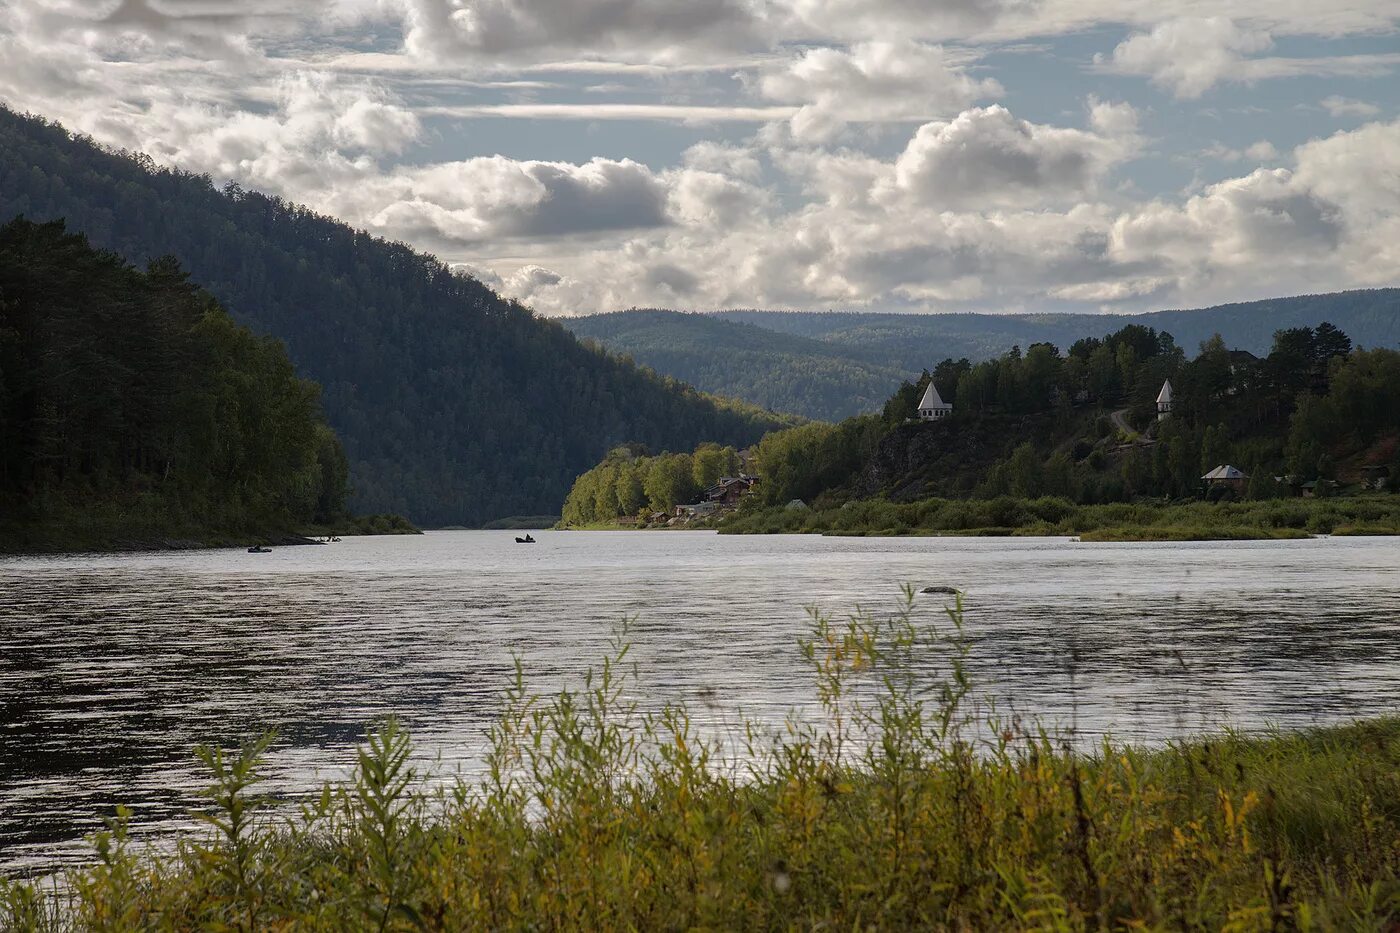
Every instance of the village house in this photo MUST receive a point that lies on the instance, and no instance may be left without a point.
(1228, 476)
(932, 407)
(723, 496)
(730, 489)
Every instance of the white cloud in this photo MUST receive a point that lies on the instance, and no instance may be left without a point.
(1188, 56)
(988, 157)
(492, 29)
(738, 161)
(1261, 151)
(1339, 106)
(357, 108)
(873, 81)
(494, 198)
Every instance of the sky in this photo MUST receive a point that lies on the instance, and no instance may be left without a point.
(890, 155)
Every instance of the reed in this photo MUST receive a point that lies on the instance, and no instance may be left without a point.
(900, 807)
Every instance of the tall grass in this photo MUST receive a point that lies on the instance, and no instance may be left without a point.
(1372, 514)
(898, 808)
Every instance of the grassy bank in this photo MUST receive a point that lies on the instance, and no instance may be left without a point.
(1185, 521)
(901, 810)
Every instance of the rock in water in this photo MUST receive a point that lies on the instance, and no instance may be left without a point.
(950, 590)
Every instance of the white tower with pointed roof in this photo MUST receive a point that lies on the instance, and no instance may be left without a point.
(1164, 400)
(933, 407)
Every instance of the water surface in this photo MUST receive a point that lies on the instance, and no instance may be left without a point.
(113, 667)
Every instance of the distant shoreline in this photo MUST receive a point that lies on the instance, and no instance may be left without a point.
(29, 542)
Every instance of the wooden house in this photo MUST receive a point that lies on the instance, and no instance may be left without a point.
(1226, 475)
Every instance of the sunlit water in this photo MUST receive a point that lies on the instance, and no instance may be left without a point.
(113, 667)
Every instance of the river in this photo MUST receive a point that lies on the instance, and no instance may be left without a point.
(113, 667)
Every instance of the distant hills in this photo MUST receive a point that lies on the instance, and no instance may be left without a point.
(831, 365)
(454, 405)
(790, 372)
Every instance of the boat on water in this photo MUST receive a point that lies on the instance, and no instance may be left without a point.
(528, 539)
(259, 549)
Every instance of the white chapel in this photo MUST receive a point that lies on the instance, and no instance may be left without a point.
(933, 407)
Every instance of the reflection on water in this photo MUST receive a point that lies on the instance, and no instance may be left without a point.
(112, 667)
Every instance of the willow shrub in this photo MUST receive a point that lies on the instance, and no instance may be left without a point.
(899, 807)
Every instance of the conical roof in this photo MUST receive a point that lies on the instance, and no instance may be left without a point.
(1225, 471)
(931, 399)
(1166, 394)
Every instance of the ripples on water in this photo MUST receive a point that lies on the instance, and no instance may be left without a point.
(112, 667)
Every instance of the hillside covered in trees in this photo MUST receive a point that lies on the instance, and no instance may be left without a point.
(833, 365)
(779, 371)
(133, 408)
(454, 405)
(913, 341)
(1081, 426)
(1038, 423)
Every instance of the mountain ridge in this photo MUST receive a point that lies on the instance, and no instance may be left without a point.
(843, 355)
(455, 405)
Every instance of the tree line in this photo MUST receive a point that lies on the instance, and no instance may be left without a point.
(1037, 422)
(629, 482)
(132, 405)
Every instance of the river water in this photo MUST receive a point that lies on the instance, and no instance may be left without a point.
(113, 667)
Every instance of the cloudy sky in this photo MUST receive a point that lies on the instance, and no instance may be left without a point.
(587, 155)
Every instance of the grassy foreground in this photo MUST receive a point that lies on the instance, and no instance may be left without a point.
(1141, 521)
(901, 810)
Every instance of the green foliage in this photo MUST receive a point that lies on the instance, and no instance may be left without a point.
(1052, 515)
(1032, 424)
(899, 807)
(455, 406)
(803, 462)
(134, 408)
(627, 483)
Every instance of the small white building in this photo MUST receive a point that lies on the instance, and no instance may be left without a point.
(933, 407)
(1164, 400)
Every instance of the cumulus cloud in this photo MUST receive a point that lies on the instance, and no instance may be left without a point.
(750, 200)
(494, 197)
(1190, 55)
(988, 157)
(1317, 223)
(873, 81)
(321, 132)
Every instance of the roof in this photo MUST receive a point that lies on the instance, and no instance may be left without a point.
(1225, 471)
(931, 399)
(1166, 394)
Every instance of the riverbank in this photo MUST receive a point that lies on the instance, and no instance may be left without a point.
(1048, 516)
(107, 536)
(904, 810)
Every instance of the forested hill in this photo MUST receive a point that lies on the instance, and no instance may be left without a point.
(454, 405)
(913, 342)
(779, 371)
(831, 365)
(133, 409)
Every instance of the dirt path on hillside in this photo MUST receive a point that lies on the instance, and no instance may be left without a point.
(1121, 423)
